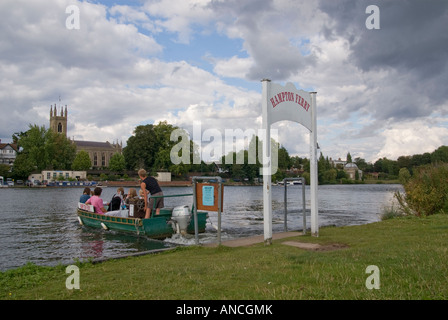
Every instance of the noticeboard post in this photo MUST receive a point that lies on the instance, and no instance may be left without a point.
(208, 196)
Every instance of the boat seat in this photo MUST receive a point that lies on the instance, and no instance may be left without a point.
(118, 213)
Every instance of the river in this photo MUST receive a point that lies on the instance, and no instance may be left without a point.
(40, 224)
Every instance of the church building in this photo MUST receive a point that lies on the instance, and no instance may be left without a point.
(99, 152)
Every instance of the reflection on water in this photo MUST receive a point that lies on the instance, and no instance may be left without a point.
(40, 225)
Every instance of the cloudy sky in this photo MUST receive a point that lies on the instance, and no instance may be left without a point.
(381, 92)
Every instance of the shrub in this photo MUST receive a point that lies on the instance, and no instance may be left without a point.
(404, 175)
(426, 192)
(391, 212)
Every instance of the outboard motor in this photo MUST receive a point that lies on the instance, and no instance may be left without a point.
(181, 216)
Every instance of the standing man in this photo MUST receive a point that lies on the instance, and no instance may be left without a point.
(149, 184)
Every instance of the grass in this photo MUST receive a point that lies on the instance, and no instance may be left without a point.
(410, 252)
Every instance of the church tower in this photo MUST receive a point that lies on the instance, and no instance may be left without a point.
(58, 123)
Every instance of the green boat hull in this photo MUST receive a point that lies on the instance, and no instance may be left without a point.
(157, 227)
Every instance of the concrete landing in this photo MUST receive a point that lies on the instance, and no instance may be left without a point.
(241, 242)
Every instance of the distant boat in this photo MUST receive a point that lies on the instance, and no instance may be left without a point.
(289, 183)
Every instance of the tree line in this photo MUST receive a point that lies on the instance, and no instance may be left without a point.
(150, 146)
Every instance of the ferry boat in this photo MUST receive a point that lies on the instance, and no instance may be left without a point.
(168, 222)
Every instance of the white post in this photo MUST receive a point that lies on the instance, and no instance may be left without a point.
(313, 168)
(267, 196)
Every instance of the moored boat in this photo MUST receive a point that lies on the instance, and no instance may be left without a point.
(157, 226)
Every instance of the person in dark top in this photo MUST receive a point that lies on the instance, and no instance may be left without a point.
(151, 186)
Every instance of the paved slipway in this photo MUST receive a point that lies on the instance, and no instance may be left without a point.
(241, 242)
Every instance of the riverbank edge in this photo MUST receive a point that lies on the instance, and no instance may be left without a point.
(175, 183)
(409, 252)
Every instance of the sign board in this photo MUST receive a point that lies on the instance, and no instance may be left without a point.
(288, 103)
(207, 196)
(86, 207)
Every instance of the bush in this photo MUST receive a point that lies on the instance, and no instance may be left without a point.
(404, 175)
(426, 192)
(391, 212)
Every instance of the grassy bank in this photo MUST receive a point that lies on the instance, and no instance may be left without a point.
(411, 254)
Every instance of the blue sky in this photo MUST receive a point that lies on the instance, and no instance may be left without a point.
(381, 93)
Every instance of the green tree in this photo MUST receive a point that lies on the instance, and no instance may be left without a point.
(284, 160)
(163, 159)
(440, 155)
(4, 170)
(330, 175)
(426, 192)
(140, 149)
(307, 177)
(323, 165)
(404, 162)
(82, 161)
(33, 144)
(349, 158)
(361, 163)
(296, 162)
(306, 165)
(23, 166)
(150, 148)
(61, 151)
(117, 163)
(341, 174)
(44, 149)
(404, 175)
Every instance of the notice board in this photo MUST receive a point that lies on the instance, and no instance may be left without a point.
(207, 196)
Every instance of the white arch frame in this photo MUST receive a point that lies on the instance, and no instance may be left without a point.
(287, 103)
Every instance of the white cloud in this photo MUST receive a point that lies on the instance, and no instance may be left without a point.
(234, 67)
(413, 137)
(114, 74)
(179, 16)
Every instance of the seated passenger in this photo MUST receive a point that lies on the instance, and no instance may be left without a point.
(96, 201)
(131, 195)
(121, 194)
(139, 204)
(85, 195)
(117, 201)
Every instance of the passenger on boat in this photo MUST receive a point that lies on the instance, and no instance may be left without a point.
(150, 184)
(131, 195)
(123, 196)
(139, 203)
(96, 201)
(85, 195)
(117, 201)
